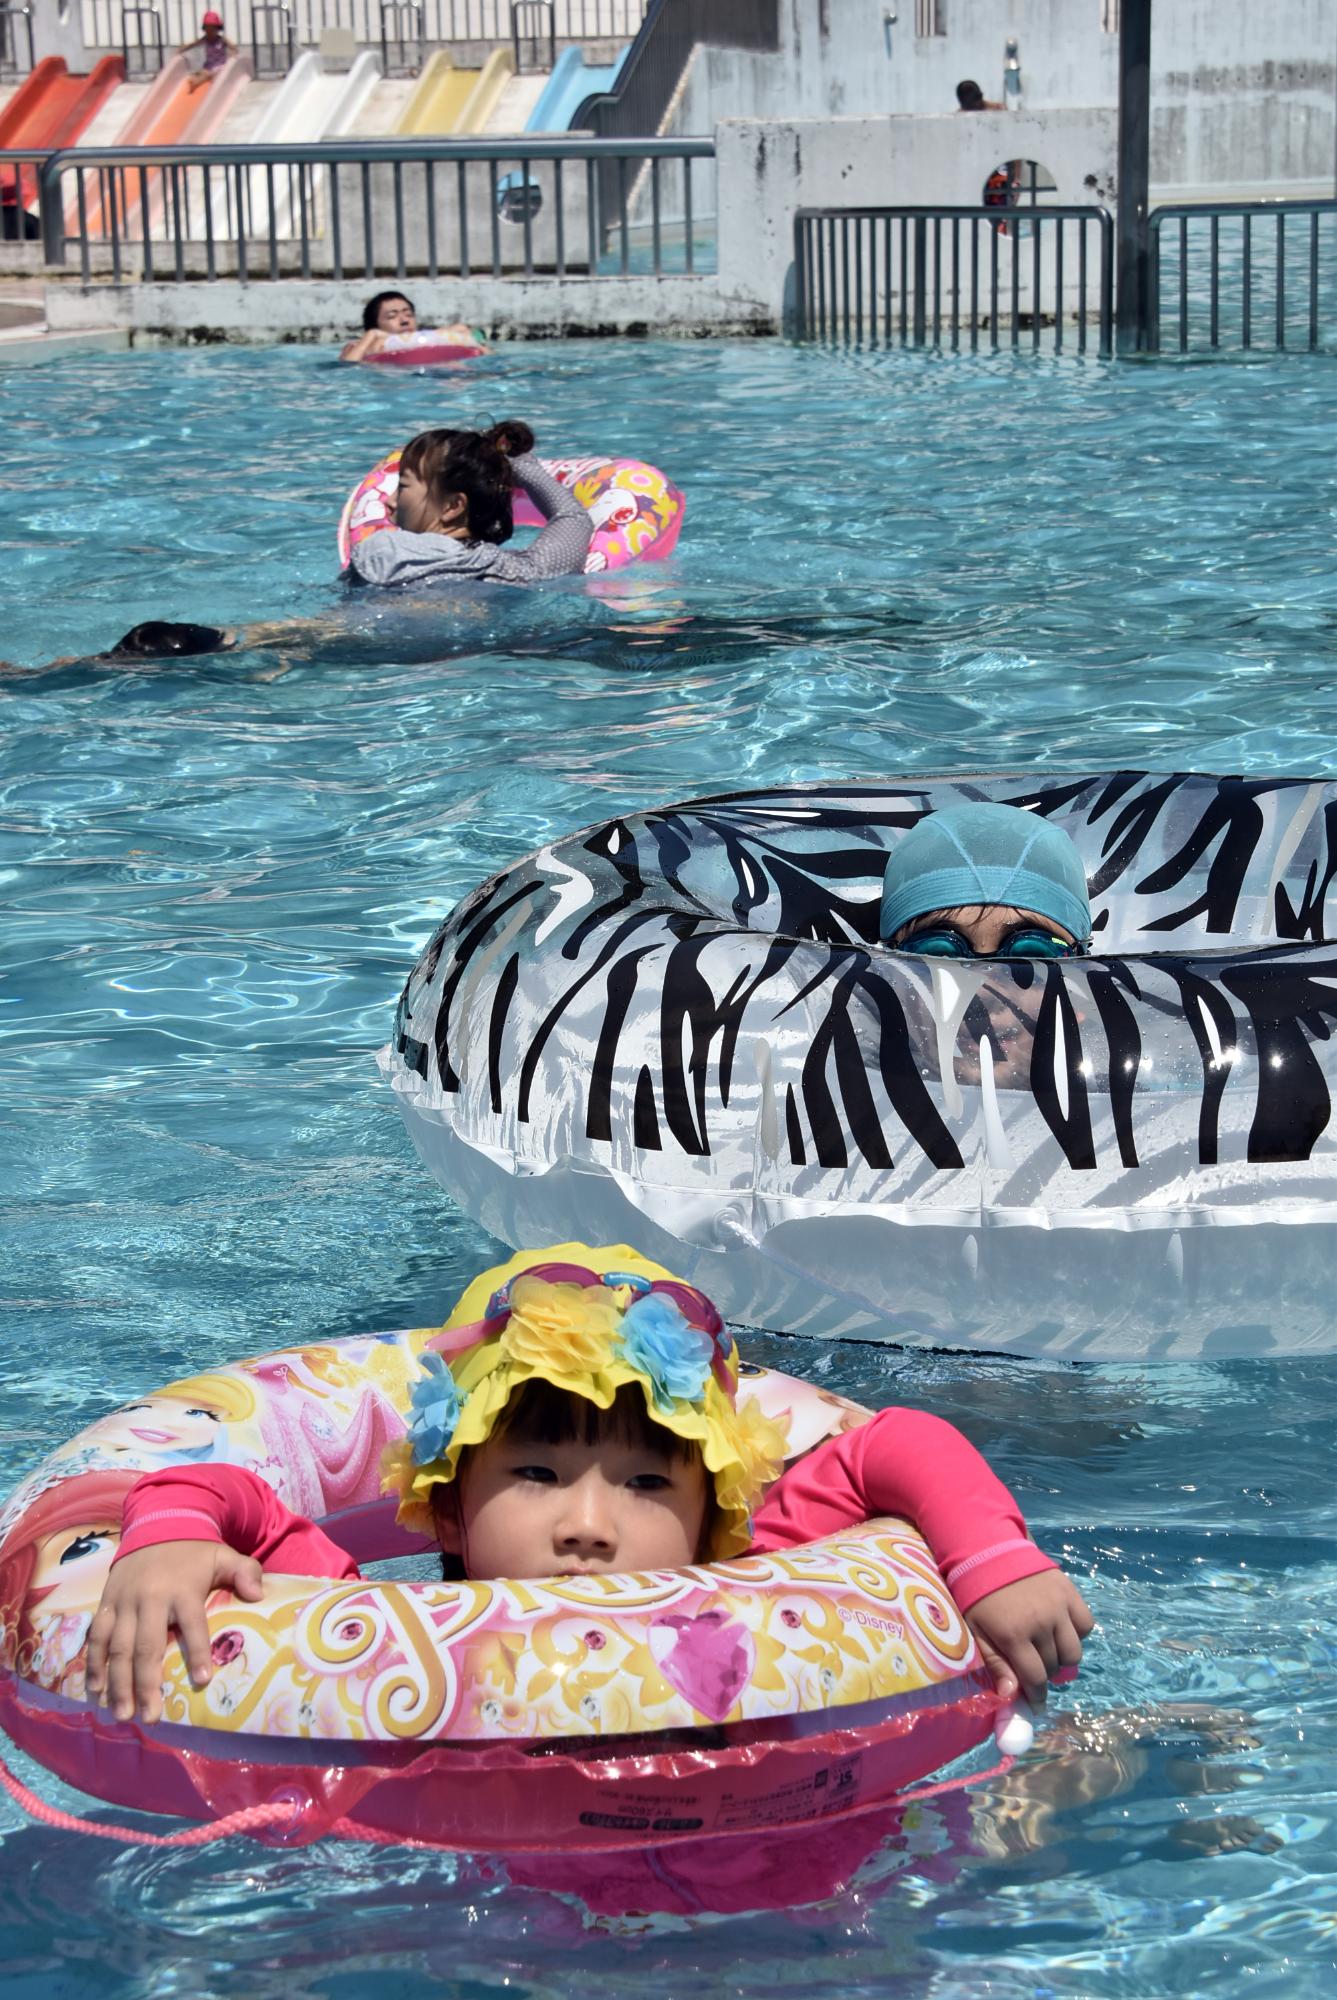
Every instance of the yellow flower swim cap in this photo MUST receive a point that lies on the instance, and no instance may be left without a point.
(588, 1322)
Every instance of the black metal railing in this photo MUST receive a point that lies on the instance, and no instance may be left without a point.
(656, 62)
(533, 36)
(956, 277)
(357, 208)
(1243, 275)
(16, 41)
(444, 21)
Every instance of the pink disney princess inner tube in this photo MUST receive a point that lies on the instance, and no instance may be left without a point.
(636, 511)
(578, 1712)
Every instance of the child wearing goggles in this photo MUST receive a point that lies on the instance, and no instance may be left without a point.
(576, 1420)
(986, 881)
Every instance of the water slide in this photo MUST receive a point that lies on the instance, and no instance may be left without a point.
(571, 82)
(180, 108)
(312, 103)
(52, 108)
(449, 102)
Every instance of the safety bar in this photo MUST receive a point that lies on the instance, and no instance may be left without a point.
(1242, 295)
(9, 49)
(140, 15)
(902, 274)
(414, 205)
(533, 13)
(287, 41)
(396, 9)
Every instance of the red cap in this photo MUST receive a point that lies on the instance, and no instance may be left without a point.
(212, 20)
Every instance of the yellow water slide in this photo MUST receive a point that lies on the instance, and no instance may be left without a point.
(441, 93)
(447, 101)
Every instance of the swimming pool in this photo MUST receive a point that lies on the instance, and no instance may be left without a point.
(215, 881)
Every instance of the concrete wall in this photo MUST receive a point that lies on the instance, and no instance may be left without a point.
(768, 170)
(320, 311)
(1242, 93)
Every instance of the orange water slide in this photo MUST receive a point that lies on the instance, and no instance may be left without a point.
(183, 107)
(52, 108)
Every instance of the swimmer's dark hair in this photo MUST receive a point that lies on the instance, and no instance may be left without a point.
(160, 639)
(371, 312)
(476, 464)
(540, 1414)
(969, 97)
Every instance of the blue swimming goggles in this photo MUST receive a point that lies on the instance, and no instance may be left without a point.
(1026, 941)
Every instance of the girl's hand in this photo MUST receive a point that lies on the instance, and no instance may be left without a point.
(1031, 1632)
(150, 1594)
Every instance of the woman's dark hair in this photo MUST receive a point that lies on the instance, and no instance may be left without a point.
(371, 312)
(476, 464)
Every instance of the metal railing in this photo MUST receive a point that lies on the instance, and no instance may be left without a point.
(273, 54)
(533, 35)
(1244, 274)
(136, 54)
(402, 54)
(656, 62)
(955, 277)
(657, 58)
(359, 208)
(18, 197)
(16, 42)
(444, 21)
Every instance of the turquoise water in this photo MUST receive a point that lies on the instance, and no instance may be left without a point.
(216, 876)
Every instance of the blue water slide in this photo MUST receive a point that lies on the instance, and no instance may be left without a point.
(571, 82)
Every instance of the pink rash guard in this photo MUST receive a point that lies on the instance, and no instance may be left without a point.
(902, 1462)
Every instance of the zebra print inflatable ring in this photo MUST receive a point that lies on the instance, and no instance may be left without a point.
(679, 1028)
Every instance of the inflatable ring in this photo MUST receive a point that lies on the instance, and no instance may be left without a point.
(684, 1016)
(637, 512)
(582, 1711)
(424, 352)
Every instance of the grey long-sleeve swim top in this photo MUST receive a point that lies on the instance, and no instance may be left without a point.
(395, 556)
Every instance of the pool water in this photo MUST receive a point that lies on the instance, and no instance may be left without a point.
(216, 876)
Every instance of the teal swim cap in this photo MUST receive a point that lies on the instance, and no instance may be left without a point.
(987, 854)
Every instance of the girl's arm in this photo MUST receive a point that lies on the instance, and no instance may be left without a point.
(561, 547)
(227, 1505)
(1028, 1617)
(185, 1533)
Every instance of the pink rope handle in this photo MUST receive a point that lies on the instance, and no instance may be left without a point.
(250, 1819)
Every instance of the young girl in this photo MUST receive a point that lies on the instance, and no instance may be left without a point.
(589, 1422)
(453, 509)
(214, 47)
(986, 881)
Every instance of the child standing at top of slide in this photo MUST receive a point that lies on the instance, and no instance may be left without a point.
(578, 1422)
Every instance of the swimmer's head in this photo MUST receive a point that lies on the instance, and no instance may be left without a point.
(969, 96)
(460, 482)
(160, 639)
(992, 873)
(389, 312)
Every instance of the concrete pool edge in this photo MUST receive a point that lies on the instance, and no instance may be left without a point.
(322, 310)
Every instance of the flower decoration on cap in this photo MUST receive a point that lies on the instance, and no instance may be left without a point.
(436, 1410)
(589, 1335)
(659, 1343)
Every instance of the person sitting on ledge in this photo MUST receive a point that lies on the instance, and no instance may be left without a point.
(389, 324)
(969, 97)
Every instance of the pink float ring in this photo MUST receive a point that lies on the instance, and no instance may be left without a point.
(429, 354)
(637, 512)
(572, 1712)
